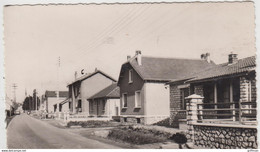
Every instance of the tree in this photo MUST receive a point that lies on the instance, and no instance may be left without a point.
(15, 105)
(26, 104)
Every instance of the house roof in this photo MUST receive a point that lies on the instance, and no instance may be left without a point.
(86, 76)
(65, 101)
(166, 69)
(111, 91)
(244, 65)
(64, 94)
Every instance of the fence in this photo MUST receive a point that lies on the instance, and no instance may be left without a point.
(234, 112)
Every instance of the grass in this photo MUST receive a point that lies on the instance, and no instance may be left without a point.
(135, 137)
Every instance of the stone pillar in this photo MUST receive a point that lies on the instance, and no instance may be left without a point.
(73, 101)
(244, 94)
(192, 113)
(244, 84)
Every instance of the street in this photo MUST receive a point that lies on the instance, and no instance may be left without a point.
(25, 132)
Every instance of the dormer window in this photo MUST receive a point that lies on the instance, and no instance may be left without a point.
(131, 76)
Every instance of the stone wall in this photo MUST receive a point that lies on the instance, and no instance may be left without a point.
(225, 137)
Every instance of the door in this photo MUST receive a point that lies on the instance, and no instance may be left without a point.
(117, 111)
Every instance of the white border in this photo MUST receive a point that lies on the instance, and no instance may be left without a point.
(32, 2)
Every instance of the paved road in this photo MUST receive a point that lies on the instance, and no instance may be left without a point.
(25, 132)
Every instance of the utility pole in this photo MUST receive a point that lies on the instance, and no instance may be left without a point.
(58, 78)
(36, 99)
(14, 91)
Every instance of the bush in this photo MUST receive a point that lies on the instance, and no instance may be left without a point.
(146, 129)
(92, 124)
(134, 137)
(179, 138)
(164, 122)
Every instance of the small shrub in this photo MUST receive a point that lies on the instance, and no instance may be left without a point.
(92, 124)
(134, 137)
(179, 138)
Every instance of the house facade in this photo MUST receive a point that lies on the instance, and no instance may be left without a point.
(52, 100)
(86, 86)
(144, 97)
(105, 103)
(228, 91)
(65, 105)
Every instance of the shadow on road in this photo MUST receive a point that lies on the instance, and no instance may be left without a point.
(8, 120)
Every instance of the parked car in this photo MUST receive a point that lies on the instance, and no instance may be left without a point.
(16, 112)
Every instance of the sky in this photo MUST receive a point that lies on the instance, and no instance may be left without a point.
(101, 36)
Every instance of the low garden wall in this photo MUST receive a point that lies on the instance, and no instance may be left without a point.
(225, 137)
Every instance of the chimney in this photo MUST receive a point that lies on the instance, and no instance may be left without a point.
(96, 69)
(206, 57)
(57, 94)
(75, 75)
(128, 57)
(138, 57)
(232, 58)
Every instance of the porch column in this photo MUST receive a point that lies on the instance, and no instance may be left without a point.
(215, 94)
(244, 95)
(73, 100)
(192, 113)
(231, 99)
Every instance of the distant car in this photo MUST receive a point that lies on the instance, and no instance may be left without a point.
(17, 112)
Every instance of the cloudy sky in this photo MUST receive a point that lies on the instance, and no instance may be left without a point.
(101, 36)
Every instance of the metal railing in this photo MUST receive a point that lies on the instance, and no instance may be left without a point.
(232, 112)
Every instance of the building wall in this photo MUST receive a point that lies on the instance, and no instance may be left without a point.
(111, 105)
(91, 86)
(225, 137)
(65, 107)
(52, 101)
(130, 89)
(175, 105)
(198, 89)
(157, 102)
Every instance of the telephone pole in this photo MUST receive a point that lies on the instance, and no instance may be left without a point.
(36, 99)
(14, 91)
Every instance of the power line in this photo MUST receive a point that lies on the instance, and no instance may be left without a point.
(135, 16)
(107, 29)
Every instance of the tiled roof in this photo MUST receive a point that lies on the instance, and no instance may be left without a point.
(63, 94)
(167, 69)
(111, 91)
(86, 76)
(243, 65)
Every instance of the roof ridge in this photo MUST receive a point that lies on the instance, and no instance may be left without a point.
(91, 74)
(101, 90)
(238, 60)
(176, 58)
(112, 91)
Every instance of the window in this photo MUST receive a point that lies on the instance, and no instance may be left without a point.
(137, 99)
(130, 76)
(249, 92)
(184, 93)
(79, 106)
(91, 105)
(103, 105)
(124, 100)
